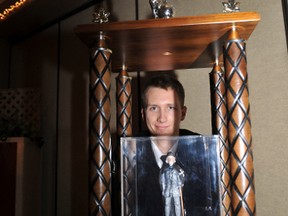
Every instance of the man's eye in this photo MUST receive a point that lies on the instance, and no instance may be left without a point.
(153, 108)
(171, 108)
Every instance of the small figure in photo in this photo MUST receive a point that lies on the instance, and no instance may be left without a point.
(171, 182)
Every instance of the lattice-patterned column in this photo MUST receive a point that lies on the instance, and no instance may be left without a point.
(124, 104)
(219, 127)
(239, 127)
(99, 129)
(124, 129)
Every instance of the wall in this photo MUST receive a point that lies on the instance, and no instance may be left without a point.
(35, 64)
(4, 63)
(56, 61)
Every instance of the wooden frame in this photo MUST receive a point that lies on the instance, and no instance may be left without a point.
(199, 42)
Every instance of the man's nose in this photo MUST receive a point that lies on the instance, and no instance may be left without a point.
(162, 116)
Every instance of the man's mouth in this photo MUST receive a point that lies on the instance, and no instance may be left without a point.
(161, 127)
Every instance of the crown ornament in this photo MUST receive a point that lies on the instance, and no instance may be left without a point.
(100, 16)
(231, 6)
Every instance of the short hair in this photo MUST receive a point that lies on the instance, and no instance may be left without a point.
(164, 82)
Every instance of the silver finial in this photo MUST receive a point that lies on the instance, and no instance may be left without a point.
(231, 6)
(101, 16)
(161, 9)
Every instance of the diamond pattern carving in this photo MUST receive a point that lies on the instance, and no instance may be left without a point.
(124, 105)
(239, 126)
(124, 129)
(100, 136)
(219, 126)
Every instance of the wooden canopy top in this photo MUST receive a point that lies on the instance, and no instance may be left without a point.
(168, 44)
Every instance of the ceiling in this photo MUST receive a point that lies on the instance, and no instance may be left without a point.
(36, 15)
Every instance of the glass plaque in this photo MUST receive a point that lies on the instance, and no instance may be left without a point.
(184, 181)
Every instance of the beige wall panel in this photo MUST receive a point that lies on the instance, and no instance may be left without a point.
(73, 119)
(196, 84)
(185, 7)
(268, 77)
(120, 10)
(34, 64)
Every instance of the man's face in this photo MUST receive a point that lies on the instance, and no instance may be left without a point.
(163, 113)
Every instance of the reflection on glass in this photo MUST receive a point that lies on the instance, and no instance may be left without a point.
(170, 176)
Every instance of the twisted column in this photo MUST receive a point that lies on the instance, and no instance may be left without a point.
(99, 130)
(124, 104)
(239, 127)
(124, 129)
(219, 127)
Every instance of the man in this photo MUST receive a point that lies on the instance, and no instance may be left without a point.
(163, 110)
(163, 107)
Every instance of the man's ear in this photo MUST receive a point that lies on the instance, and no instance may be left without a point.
(183, 113)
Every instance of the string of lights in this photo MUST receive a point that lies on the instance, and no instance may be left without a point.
(11, 8)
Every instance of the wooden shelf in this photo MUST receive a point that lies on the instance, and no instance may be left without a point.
(168, 44)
